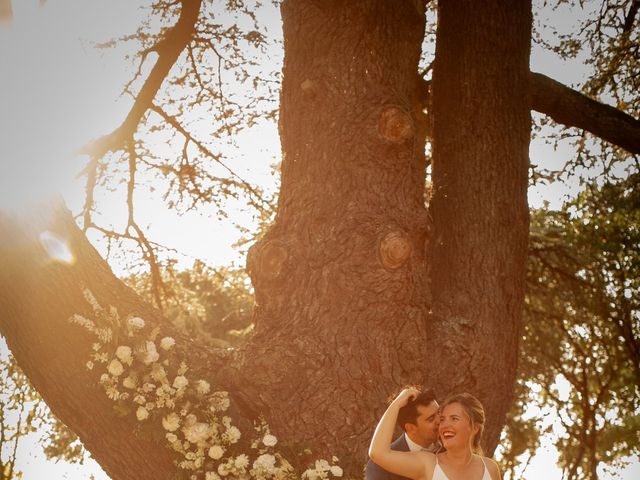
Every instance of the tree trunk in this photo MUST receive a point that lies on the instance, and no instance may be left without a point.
(479, 203)
(340, 281)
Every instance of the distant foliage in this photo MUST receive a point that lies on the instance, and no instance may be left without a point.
(580, 352)
(212, 305)
(22, 413)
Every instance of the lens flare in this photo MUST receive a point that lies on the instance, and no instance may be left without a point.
(57, 249)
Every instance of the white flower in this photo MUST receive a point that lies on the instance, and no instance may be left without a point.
(266, 462)
(269, 440)
(82, 321)
(89, 365)
(142, 413)
(202, 387)
(167, 342)
(101, 357)
(222, 470)
(136, 322)
(180, 382)
(336, 471)
(115, 368)
(139, 399)
(129, 382)
(104, 334)
(123, 352)
(322, 465)
(242, 461)
(148, 387)
(158, 373)
(216, 452)
(171, 422)
(211, 476)
(197, 433)
(88, 295)
(232, 434)
(310, 474)
(219, 401)
(149, 354)
(112, 393)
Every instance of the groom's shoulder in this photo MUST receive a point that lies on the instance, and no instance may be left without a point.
(400, 444)
(374, 471)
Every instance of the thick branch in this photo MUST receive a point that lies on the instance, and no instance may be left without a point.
(37, 296)
(168, 50)
(573, 109)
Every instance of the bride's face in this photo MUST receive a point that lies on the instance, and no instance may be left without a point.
(456, 429)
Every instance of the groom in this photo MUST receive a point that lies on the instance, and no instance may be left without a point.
(419, 420)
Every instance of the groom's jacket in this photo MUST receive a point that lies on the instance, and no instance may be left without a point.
(375, 472)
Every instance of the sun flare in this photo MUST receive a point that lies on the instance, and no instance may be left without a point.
(57, 93)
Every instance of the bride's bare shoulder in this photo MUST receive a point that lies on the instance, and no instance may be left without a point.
(492, 466)
(429, 460)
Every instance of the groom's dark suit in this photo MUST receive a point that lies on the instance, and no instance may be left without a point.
(375, 472)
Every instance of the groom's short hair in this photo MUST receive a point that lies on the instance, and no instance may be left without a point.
(409, 413)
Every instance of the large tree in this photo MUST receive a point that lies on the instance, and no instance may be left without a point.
(361, 286)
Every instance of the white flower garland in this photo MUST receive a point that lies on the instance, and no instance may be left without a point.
(140, 377)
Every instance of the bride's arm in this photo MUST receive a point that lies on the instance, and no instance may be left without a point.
(408, 464)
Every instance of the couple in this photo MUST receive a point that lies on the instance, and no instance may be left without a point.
(459, 422)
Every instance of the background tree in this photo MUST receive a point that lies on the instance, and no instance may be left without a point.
(346, 282)
(579, 356)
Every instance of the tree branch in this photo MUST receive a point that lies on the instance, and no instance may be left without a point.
(631, 16)
(38, 295)
(573, 109)
(168, 49)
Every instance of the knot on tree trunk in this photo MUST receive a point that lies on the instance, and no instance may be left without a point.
(266, 261)
(395, 124)
(394, 249)
(309, 88)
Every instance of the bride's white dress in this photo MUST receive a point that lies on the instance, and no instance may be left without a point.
(438, 473)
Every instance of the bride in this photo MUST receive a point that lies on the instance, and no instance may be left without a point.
(461, 425)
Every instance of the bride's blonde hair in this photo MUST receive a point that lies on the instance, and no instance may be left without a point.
(474, 410)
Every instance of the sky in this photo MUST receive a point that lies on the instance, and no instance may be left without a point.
(57, 92)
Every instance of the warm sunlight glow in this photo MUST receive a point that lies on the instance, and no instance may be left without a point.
(57, 249)
(57, 92)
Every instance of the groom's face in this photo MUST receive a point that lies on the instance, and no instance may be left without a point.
(425, 431)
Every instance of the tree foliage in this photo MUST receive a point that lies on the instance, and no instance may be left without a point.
(580, 351)
(23, 413)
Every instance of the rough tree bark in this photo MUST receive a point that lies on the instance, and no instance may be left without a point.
(479, 204)
(340, 278)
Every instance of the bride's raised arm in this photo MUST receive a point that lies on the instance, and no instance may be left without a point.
(408, 464)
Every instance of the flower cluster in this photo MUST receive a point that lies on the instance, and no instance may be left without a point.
(323, 470)
(145, 379)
